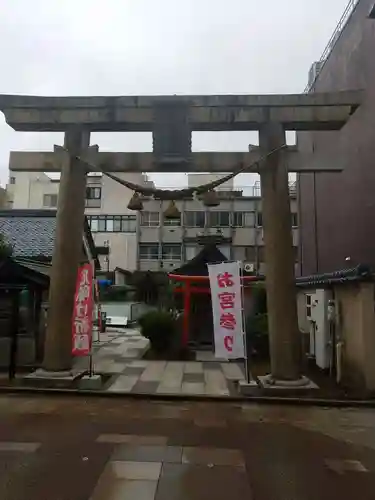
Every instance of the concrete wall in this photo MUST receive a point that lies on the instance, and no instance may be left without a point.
(3, 198)
(355, 325)
(242, 237)
(29, 188)
(337, 211)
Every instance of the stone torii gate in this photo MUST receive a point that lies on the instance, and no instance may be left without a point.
(271, 115)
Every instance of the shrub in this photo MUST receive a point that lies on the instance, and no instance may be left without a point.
(159, 327)
(260, 299)
(257, 335)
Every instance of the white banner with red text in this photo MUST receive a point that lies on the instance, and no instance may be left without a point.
(226, 296)
(82, 312)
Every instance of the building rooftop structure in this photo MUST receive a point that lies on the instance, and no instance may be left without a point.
(318, 65)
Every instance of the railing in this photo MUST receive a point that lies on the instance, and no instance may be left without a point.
(332, 41)
(292, 188)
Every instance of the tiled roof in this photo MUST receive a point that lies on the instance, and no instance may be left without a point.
(31, 233)
(198, 265)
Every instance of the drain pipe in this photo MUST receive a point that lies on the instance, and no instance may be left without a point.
(339, 352)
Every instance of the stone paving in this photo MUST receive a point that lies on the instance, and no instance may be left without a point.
(104, 449)
(173, 377)
(118, 355)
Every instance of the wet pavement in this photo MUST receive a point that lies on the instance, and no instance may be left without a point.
(118, 356)
(73, 448)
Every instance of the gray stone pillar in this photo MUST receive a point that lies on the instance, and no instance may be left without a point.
(67, 253)
(279, 258)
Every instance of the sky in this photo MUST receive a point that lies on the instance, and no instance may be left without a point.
(147, 47)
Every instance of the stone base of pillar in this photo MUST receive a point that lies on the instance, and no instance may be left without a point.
(248, 389)
(47, 379)
(268, 382)
(93, 383)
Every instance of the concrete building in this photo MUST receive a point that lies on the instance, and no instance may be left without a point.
(337, 210)
(3, 198)
(146, 240)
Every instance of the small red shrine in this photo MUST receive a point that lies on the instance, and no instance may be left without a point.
(193, 284)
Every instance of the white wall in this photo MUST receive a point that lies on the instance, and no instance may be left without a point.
(30, 187)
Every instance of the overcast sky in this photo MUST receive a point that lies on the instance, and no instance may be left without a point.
(121, 47)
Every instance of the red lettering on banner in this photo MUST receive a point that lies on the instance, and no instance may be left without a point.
(228, 321)
(82, 313)
(225, 279)
(226, 300)
(228, 343)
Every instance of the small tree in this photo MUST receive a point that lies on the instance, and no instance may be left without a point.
(6, 249)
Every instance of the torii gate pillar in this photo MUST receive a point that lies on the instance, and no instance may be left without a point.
(66, 255)
(279, 256)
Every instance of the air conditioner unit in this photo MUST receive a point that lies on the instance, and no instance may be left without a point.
(249, 267)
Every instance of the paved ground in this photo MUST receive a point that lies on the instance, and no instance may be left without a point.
(119, 352)
(96, 449)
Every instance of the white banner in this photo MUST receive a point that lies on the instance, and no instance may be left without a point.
(225, 284)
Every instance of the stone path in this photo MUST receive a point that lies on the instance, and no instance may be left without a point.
(174, 377)
(118, 354)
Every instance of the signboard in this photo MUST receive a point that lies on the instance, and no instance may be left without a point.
(225, 284)
(82, 312)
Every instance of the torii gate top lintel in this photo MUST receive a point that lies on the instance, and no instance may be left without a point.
(316, 111)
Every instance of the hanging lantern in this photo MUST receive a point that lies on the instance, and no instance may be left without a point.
(135, 202)
(211, 199)
(172, 212)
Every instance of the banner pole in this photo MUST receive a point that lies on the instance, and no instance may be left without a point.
(91, 367)
(247, 363)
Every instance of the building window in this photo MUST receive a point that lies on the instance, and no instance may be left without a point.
(148, 251)
(294, 219)
(93, 197)
(112, 223)
(238, 219)
(172, 222)
(50, 200)
(295, 251)
(93, 193)
(171, 251)
(219, 219)
(194, 218)
(150, 219)
(12, 180)
(308, 306)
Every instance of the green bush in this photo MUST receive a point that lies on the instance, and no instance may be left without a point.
(159, 327)
(257, 335)
(260, 298)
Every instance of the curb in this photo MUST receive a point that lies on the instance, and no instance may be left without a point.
(329, 403)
